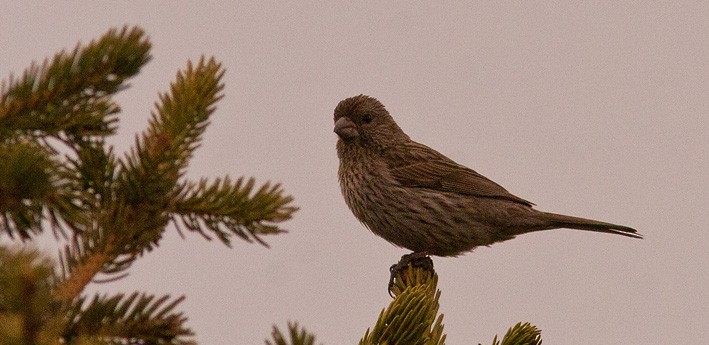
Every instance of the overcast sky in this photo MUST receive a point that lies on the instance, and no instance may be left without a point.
(595, 110)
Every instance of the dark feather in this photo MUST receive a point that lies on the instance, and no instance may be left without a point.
(419, 166)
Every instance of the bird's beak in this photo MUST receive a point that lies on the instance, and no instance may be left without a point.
(345, 128)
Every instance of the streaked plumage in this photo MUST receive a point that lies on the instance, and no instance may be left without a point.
(417, 198)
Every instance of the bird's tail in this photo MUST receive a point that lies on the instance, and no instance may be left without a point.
(569, 222)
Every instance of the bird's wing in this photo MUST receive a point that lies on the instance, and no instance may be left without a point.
(423, 167)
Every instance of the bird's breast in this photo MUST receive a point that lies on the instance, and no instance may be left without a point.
(364, 184)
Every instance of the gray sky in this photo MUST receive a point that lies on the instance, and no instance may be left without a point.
(595, 110)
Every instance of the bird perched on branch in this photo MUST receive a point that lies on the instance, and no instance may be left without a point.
(419, 199)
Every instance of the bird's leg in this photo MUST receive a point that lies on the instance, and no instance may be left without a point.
(415, 259)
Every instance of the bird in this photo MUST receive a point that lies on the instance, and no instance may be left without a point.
(417, 198)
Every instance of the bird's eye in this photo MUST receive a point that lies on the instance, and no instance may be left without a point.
(367, 118)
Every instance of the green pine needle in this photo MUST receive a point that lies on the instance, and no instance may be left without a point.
(26, 183)
(521, 334)
(412, 317)
(297, 336)
(69, 95)
(28, 312)
(149, 174)
(226, 208)
(113, 210)
(57, 171)
(124, 319)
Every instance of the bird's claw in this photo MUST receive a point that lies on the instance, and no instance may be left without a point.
(416, 259)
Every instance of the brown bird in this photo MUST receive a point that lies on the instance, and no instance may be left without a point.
(419, 199)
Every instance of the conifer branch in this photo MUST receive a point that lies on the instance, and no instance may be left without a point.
(298, 336)
(31, 314)
(175, 130)
(25, 184)
(128, 210)
(69, 96)
(110, 210)
(135, 319)
(28, 312)
(521, 334)
(86, 187)
(411, 316)
(228, 208)
(81, 275)
(148, 176)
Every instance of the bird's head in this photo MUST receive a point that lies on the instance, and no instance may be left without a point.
(363, 120)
